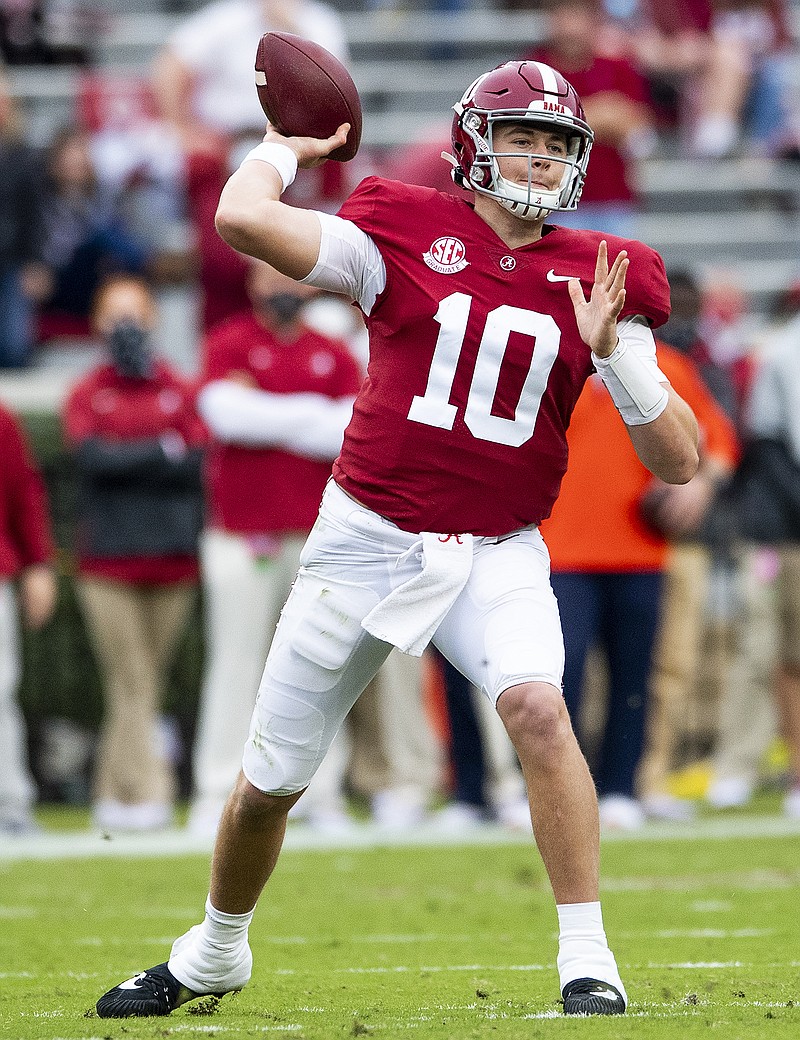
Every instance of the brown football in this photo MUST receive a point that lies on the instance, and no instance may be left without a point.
(306, 92)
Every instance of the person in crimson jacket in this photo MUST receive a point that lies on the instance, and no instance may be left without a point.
(26, 554)
(276, 397)
(137, 446)
(484, 324)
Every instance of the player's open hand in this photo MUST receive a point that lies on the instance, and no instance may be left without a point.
(597, 316)
(310, 151)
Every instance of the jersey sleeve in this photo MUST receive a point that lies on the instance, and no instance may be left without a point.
(646, 285)
(349, 262)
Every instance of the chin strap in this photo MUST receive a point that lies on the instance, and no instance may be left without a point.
(456, 173)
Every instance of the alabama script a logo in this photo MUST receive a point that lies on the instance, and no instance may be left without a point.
(446, 256)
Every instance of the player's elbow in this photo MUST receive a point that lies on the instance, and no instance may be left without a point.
(235, 226)
(681, 465)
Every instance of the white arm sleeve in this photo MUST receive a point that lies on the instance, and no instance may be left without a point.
(636, 333)
(307, 424)
(631, 374)
(349, 262)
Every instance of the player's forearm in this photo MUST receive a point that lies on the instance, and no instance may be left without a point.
(668, 446)
(252, 219)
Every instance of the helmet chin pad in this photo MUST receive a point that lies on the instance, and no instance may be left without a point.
(526, 201)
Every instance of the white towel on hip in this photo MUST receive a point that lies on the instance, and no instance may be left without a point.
(408, 617)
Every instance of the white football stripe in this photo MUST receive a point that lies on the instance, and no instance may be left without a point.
(548, 79)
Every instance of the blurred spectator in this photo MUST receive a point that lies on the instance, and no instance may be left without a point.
(421, 162)
(487, 782)
(766, 497)
(23, 277)
(85, 239)
(139, 163)
(718, 64)
(26, 552)
(45, 32)
(222, 270)
(276, 398)
(205, 91)
(678, 712)
(615, 100)
(691, 568)
(135, 437)
(609, 588)
(203, 77)
(684, 331)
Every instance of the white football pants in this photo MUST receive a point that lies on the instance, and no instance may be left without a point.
(502, 630)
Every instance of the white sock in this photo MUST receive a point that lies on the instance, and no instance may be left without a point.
(583, 951)
(224, 929)
(214, 957)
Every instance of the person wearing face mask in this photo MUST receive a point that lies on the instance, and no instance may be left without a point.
(137, 445)
(276, 397)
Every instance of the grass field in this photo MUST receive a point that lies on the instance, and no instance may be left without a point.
(430, 943)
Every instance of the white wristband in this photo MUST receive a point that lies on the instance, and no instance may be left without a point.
(636, 392)
(280, 156)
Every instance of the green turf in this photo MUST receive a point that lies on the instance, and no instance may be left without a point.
(430, 943)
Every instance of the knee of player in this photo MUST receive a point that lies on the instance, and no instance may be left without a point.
(533, 712)
(256, 805)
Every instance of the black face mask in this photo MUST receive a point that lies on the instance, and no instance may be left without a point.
(131, 353)
(282, 308)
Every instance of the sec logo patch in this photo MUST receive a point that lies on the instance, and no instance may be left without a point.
(446, 256)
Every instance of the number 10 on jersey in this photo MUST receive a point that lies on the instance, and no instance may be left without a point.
(435, 409)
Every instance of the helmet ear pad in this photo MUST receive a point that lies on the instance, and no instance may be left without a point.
(520, 92)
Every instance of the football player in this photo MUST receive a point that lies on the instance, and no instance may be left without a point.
(484, 324)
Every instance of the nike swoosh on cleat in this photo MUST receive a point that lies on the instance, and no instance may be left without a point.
(131, 983)
(553, 277)
(607, 993)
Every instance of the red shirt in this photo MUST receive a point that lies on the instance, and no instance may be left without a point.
(223, 271)
(25, 538)
(254, 490)
(475, 362)
(607, 177)
(105, 404)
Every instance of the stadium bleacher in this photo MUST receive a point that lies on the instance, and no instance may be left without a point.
(738, 215)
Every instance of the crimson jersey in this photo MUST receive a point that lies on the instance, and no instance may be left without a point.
(475, 362)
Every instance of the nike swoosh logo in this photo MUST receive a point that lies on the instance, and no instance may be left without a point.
(131, 983)
(553, 277)
(609, 993)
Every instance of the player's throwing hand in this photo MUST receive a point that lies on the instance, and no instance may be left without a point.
(310, 151)
(597, 316)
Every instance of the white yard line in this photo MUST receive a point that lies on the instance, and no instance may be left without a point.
(86, 844)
